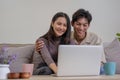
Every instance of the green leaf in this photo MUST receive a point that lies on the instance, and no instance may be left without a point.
(119, 39)
(5, 61)
(118, 34)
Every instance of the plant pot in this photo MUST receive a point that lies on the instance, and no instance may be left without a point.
(4, 70)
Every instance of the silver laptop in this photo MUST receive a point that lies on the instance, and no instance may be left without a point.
(79, 60)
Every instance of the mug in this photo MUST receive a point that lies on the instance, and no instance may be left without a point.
(28, 68)
(110, 68)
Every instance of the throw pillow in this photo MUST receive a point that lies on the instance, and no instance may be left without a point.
(112, 53)
(23, 55)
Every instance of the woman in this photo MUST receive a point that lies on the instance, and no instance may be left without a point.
(59, 33)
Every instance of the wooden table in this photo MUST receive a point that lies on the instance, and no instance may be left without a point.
(52, 77)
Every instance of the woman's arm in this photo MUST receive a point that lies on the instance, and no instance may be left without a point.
(53, 67)
(47, 57)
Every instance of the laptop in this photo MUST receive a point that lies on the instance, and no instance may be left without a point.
(79, 60)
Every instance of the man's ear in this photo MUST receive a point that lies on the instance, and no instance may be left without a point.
(88, 25)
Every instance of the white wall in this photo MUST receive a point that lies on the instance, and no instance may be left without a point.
(23, 21)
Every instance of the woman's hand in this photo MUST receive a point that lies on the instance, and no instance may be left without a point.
(39, 45)
(53, 67)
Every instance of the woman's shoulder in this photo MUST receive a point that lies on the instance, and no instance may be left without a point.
(43, 39)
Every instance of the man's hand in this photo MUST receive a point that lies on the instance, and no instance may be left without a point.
(39, 45)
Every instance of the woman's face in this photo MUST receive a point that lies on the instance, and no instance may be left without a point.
(59, 26)
(81, 27)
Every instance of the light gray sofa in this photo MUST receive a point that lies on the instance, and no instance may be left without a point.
(23, 52)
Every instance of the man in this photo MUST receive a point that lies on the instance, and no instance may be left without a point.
(81, 22)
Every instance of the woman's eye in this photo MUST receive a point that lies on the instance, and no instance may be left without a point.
(59, 23)
(65, 25)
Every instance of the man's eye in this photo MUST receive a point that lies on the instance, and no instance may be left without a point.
(78, 24)
(84, 25)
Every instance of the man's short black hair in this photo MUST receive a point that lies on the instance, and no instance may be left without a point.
(81, 13)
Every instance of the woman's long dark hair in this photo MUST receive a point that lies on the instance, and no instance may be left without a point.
(50, 35)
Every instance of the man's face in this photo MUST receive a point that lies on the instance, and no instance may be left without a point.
(80, 27)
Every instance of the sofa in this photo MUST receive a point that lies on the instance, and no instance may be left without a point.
(25, 52)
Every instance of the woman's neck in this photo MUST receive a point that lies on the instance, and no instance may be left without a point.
(57, 38)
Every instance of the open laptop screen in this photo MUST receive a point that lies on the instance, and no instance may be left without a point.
(76, 60)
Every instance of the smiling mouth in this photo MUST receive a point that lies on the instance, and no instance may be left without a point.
(60, 32)
(80, 31)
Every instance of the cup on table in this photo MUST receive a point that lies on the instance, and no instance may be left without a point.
(110, 68)
(28, 68)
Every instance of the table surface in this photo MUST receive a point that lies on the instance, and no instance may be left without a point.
(52, 77)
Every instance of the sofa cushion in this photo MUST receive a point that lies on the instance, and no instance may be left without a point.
(24, 55)
(112, 53)
(11, 45)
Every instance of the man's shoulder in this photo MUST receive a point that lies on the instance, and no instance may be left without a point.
(72, 34)
(92, 35)
(94, 38)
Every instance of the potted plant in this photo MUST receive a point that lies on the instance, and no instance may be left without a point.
(118, 36)
(4, 65)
